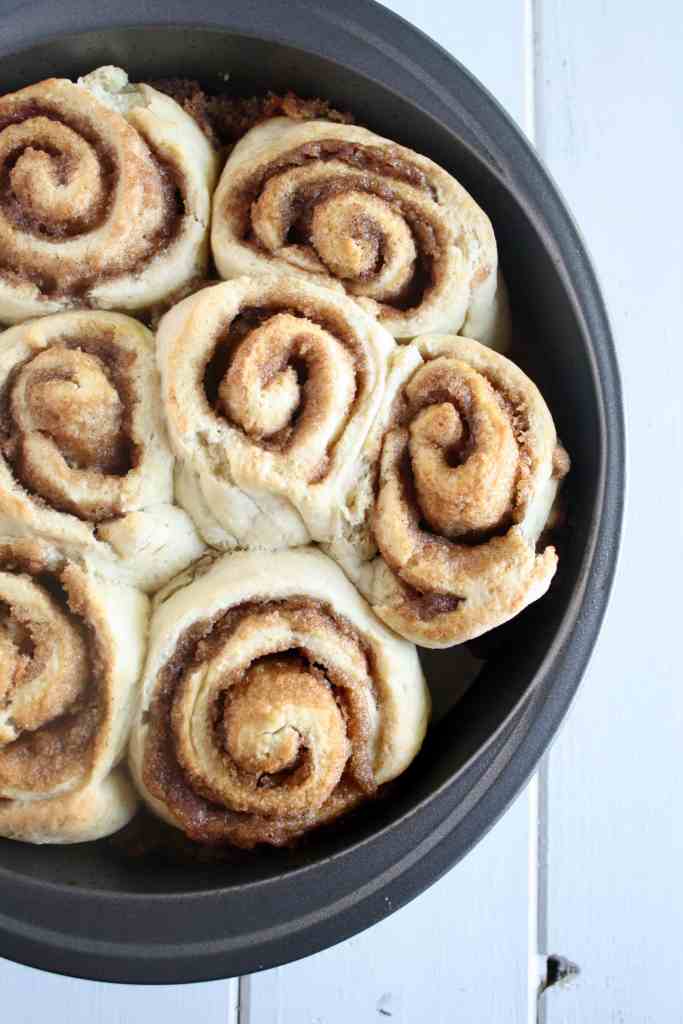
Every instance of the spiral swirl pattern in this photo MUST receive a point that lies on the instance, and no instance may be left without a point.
(71, 650)
(270, 388)
(349, 209)
(104, 196)
(83, 453)
(273, 701)
(468, 472)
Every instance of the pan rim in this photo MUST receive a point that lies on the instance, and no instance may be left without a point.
(583, 613)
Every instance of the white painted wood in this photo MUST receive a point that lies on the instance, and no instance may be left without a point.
(455, 955)
(460, 952)
(28, 996)
(609, 86)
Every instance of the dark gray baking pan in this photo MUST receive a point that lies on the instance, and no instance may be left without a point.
(90, 912)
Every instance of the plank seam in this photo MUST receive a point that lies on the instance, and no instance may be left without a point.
(242, 1015)
(537, 790)
(537, 106)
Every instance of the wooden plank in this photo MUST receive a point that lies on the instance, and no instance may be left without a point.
(456, 954)
(609, 81)
(460, 952)
(28, 996)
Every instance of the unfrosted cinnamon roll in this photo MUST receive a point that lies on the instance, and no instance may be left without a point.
(468, 472)
(337, 204)
(273, 700)
(270, 387)
(104, 196)
(84, 458)
(71, 650)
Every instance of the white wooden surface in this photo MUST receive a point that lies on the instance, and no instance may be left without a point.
(610, 81)
(587, 863)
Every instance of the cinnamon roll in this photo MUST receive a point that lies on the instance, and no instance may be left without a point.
(84, 458)
(104, 196)
(71, 650)
(273, 700)
(336, 204)
(468, 469)
(270, 387)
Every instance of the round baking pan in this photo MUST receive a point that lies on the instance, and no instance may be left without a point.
(87, 910)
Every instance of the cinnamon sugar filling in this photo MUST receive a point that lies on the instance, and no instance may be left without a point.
(376, 167)
(18, 201)
(84, 406)
(300, 342)
(435, 429)
(57, 728)
(275, 773)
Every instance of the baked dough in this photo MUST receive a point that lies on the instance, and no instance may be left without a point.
(270, 387)
(336, 204)
(467, 469)
(71, 653)
(84, 458)
(104, 196)
(273, 700)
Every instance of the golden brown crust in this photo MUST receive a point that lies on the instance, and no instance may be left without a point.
(50, 716)
(268, 708)
(90, 813)
(68, 413)
(277, 731)
(356, 212)
(467, 476)
(66, 686)
(84, 458)
(63, 199)
(270, 388)
(289, 384)
(104, 195)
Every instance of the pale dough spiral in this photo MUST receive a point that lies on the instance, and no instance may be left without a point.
(273, 700)
(71, 651)
(104, 196)
(468, 466)
(270, 388)
(336, 204)
(84, 458)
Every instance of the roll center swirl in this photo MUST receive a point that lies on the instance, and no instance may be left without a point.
(55, 177)
(462, 448)
(290, 383)
(43, 659)
(86, 197)
(256, 723)
(269, 723)
(350, 222)
(68, 429)
(66, 395)
(268, 720)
